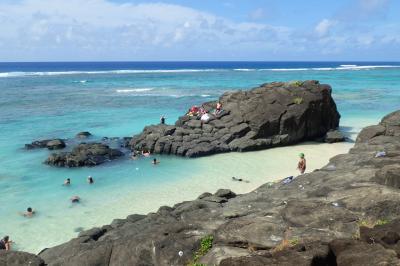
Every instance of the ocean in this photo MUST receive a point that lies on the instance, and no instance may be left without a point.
(117, 99)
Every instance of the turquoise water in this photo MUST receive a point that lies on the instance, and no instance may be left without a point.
(48, 101)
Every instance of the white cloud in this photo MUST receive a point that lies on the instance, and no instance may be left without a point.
(324, 26)
(257, 14)
(105, 30)
(104, 27)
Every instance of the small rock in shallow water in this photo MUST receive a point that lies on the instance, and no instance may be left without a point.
(83, 135)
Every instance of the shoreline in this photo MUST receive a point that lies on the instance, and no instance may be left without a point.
(144, 198)
(319, 207)
(322, 209)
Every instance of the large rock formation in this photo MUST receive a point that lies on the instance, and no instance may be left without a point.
(273, 114)
(85, 154)
(16, 258)
(321, 218)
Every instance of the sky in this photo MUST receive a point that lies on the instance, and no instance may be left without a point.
(205, 30)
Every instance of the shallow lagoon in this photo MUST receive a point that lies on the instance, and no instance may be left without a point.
(120, 104)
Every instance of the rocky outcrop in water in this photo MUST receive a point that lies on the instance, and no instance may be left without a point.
(83, 135)
(271, 115)
(85, 154)
(51, 144)
(333, 136)
(320, 218)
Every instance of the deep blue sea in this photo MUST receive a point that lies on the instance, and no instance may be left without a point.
(117, 99)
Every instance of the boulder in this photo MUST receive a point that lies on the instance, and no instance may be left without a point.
(55, 144)
(389, 175)
(85, 154)
(273, 114)
(51, 144)
(83, 135)
(370, 132)
(349, 252)
(17, 258)
(334, 136)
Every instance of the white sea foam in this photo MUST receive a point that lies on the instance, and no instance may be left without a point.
(134, 90)
(287, 69)
(323, 68)
(341, 67)
(157, 92)
(126, 71)
(144, 71)
(245, 69)
(355, 67)
(348, 65)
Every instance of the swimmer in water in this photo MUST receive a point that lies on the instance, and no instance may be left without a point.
(155, 161)
(90, 180)
(239, 180)
(75, 199)
(29, 212)
(67, 182)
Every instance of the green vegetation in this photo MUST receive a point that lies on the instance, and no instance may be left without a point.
(297, 83)
(294, 241)
(297, 100)
(205, 245)
(285, 244)
(382, 222)
(371, 224)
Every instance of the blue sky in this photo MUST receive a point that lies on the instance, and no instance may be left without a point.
(134, 30)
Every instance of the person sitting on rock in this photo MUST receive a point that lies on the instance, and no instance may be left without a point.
(29, 212)
(193, 111)
(67, 182)
(90, 180)
(301, 166)
(155, 161)
(205, 117)
(75, 199)
(5, 243)
(218, 110)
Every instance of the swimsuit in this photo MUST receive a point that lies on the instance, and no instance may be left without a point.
(2, 244)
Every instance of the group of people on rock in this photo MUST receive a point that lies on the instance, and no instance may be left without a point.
(202, 112)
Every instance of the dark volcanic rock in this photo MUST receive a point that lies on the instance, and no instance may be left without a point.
(83, 135)
(51, 144)
(55, 144)
(85, 154)
(271, 115)
(319, 213)
(349, 252)
(17, 258)
(334, 136)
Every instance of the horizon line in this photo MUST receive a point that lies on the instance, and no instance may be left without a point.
(206, 61)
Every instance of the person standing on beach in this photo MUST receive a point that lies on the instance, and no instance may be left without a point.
(5, 243)
(301, 166)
